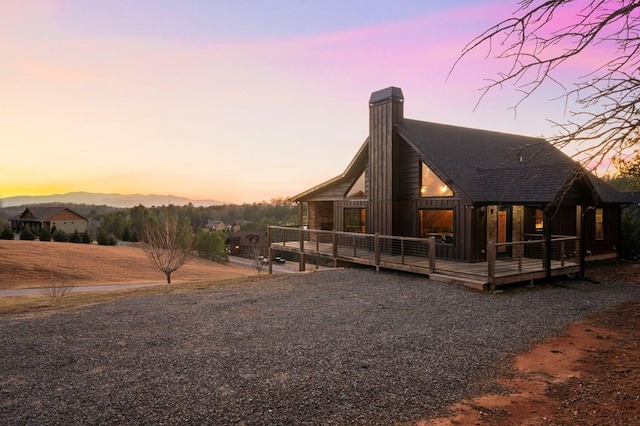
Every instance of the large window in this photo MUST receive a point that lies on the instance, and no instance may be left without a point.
(358, 190)
(355, 220)
(599, 223)
(431, 185)
(437, 223)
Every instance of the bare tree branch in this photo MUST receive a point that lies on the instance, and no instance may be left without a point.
(536, 45)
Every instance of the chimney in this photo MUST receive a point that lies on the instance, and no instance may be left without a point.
(386, 110)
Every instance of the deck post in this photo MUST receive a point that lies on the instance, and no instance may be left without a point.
(269, 250)
(302, 260)
(335, 248)
(376, 245)
(580, 259)
(520, 256)
(562, 253)
(491, 264)
(432, 254)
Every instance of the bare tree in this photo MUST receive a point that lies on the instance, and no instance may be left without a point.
(254, 252)
(57, 287)
(537, 41)
(168, 243)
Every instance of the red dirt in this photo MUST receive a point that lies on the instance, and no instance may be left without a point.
(29, 264)
(589, 375)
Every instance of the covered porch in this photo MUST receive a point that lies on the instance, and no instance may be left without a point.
(507, 262)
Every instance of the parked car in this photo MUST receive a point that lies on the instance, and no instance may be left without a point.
(279, 260)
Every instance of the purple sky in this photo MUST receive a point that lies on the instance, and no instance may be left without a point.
(235, 101)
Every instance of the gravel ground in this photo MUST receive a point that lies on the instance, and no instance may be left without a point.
(331, 347)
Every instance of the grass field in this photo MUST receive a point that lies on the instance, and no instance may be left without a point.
(32, 264)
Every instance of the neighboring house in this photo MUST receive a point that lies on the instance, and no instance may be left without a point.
(465, 187)
(215, 225)
(247, 243)
(50, 218)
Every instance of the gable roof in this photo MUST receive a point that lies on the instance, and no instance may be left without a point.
(487, 166)
(39, 214)
(351, 173)
(490, 166)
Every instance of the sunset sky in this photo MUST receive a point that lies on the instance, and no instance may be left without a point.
(237, 101)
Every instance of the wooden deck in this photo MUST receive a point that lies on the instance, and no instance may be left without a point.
(418, 256)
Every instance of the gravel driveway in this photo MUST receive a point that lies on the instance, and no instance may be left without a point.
(331, 347)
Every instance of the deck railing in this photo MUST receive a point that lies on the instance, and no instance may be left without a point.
(531, 256)
(374, 249)
(506, 262)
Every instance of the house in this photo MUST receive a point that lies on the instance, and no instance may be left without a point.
(467, 188)
(247, 243)
(215, 225)
(49, 218)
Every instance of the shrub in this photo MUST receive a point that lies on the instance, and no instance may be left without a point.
(86, 238)
(75, 237)
(60, 236)
(106, 240)
(45, 235)
(630, 244)
(6, 234)
(27, 235)
(126, 235)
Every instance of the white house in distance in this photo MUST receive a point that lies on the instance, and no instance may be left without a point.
(50, 218)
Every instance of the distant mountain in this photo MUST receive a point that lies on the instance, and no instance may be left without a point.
(114, 200)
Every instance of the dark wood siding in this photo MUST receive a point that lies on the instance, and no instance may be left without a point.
(611, 225)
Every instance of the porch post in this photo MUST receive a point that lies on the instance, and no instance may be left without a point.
(583, 246)
(547, 238)
(300, 213)
(432, 254)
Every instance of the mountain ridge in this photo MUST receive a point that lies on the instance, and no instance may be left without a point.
(108, 199)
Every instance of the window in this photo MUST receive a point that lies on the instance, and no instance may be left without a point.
(358, 190)
(437, 223)
(599, 223)
(431, 185)
(539, 220)
(355, 220)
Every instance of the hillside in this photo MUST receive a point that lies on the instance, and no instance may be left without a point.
(99, 199)
(29, 264)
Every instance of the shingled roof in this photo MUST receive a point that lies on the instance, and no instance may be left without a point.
(39, 214)
(493, 167)
(490, 166)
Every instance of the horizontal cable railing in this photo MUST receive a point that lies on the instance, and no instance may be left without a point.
(408, 253)
(372, 248)
(531, 255)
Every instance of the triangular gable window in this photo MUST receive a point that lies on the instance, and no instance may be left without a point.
(358, 190)
(431, 185)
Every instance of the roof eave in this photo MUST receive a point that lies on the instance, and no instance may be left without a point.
(334, 180)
